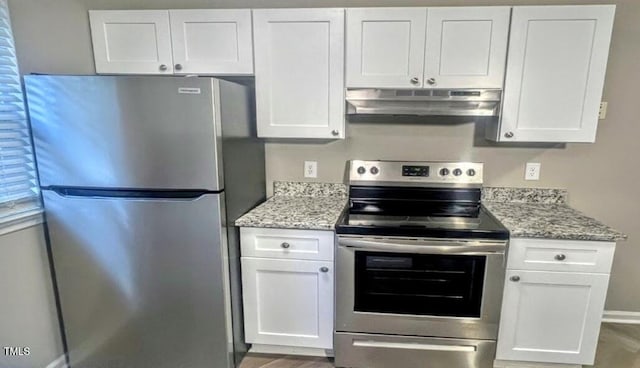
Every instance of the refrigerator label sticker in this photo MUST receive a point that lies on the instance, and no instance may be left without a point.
(189, 91)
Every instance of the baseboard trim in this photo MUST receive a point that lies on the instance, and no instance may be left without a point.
(621, 317)
(289, 350)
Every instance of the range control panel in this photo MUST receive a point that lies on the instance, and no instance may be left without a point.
(413, 170)
(415, 173)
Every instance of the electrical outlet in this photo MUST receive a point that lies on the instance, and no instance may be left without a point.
(311, 169)
(603, 110)
(532, 171)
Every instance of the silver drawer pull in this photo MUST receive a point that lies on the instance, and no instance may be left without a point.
(413, 346)
(560, 257)
(285, 245)
(324, 269)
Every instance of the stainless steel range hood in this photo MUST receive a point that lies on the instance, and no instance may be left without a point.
(439, 102)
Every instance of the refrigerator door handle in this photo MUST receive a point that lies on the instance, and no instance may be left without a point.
(189, 195)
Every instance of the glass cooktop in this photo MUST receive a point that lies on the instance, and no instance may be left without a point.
(419, 212)
(482, 226)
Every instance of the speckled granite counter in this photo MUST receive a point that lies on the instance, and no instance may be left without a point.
(311, 206)
(544, 213)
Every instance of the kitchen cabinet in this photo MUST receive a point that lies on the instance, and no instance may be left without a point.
(385, 47)
(287, 282)
(131, 41)
(555, 73)
(203, 41)
(552, 309)
(465, 47)
(299, 72)
(212, 41)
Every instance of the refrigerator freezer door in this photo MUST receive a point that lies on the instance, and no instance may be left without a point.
(142, 283)
(126, 131)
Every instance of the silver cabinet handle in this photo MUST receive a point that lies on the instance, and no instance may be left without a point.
(178, 66)
(508, 135)
(431, 81)
(560, 257)
(515, 278)
(285, 245)
(163, 67)
(415, 80)
(335, 132)
(324, 269)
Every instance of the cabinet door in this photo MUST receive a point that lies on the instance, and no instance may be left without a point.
(551, 317)
(385, 47)
(212, 41)
(299, 68)
(555, 73)
(288, 302)
(466, 47)
(131, 41)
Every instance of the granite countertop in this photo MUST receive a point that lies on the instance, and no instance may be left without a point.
(310, 206)
(544, 213)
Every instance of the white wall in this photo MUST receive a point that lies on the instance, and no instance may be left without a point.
(27, 307)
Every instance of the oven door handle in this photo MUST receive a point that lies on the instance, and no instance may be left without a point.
(426, 246)
(414, 346)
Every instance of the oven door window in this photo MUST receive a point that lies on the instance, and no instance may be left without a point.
(419, 284)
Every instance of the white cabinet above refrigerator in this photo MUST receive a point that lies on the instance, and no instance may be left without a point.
(193, 41)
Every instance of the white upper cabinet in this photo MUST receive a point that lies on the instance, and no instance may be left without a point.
(131, 41)
(466, 47)
(212, 40)
(385, 47)
(216, 42)
(299, 72)
(555, 73)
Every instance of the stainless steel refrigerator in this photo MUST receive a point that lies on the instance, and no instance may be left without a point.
(142, 178)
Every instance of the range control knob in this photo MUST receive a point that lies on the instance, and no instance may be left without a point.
(361, 170)
(374, 170)
(457, 172)
(471, 172)
(444, 171)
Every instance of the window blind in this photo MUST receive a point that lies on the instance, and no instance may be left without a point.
(19, 191)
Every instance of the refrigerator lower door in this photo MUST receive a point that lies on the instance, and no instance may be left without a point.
(142, 283)
(126, 131)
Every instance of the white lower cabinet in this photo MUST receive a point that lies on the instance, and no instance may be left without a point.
(552, 309)
(551, 317)
(288, 303)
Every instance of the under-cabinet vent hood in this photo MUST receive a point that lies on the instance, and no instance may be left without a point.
(439, 102)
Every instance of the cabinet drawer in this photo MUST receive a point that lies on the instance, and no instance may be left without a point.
(287, 244)
(560, 255)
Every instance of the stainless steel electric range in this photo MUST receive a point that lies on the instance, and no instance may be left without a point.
(420, 268)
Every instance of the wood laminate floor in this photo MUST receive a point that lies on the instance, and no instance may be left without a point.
(619, 347)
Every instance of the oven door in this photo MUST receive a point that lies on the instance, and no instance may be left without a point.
(419, 287)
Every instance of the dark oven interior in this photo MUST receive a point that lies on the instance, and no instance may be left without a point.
(419, 284)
